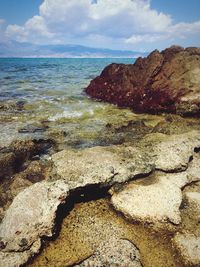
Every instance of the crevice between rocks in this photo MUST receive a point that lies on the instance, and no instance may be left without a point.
(95, 192)
(78, 195)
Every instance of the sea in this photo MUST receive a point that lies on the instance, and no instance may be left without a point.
(48, 94)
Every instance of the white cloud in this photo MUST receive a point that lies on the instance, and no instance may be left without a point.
(102, 23)
(146, 38)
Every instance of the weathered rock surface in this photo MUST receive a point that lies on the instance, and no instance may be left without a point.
(156, 199)
(100, 165)
(32, 213)
(171, 153)
(95, 222)
(30, 217)
(13, 157)
(114, 252)
(118, 164)
(166, 81)
(189, 247)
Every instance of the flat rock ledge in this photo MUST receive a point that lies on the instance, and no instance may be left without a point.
(118, 164)
(154, 198)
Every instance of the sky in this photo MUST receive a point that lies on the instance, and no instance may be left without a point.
(138, 25)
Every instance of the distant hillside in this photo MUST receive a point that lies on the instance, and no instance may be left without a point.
(16, 49)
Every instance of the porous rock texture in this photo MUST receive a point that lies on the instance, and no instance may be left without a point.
(118, 164)
(166, 81)
(154, 202)
(189, 247)
(32, 213)
(30, 217)
(157, 198)
(114, 252)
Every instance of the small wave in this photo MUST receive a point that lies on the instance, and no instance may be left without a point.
(66, 115)
(71, 115)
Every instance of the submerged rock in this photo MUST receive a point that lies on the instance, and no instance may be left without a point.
(114, 252)
(33, 128)
(12, 106)
(14, 156)
(166, 81)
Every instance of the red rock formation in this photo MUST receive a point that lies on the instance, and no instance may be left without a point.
(167, 81)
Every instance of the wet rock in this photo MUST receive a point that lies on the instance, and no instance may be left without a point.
(30, 217)
(12, 106)
(13, 157)
(188, 246)
(166, 81)
(33, 128)
(34, 172)
(174, 124)
(7, 163)
(114, 252)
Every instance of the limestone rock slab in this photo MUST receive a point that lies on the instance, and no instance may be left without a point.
(30, 217)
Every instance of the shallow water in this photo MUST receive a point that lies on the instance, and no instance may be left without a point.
(51, 92)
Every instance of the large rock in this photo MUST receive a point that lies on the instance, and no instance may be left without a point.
(158, 198)
(100, 165)
(30, 217)
(118, 164)
(166, 81)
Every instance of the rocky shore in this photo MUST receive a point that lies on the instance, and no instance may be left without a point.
(132, 199)
(166, 81)
(149, 186)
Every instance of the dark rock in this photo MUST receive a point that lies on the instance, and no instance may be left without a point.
(166, 81)
(12, 106)
(7, 162)
(31, 128)
(20, 151)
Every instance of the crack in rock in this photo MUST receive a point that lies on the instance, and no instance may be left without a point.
(30, 217)
(157, 199)
(32, 214)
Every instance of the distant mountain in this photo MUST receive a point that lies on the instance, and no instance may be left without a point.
(16, 49)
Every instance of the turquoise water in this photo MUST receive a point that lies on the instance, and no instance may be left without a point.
(48, 78)
(51, 84)
(51, 92)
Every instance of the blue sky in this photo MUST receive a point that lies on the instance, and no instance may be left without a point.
(141, 25)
